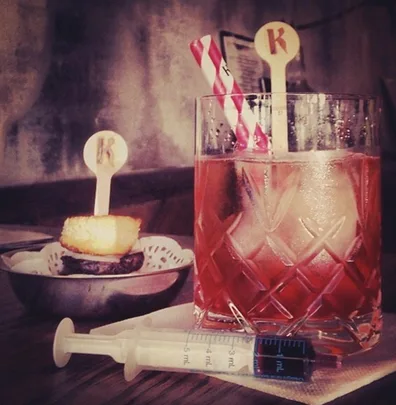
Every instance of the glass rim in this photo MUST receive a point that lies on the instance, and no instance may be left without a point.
(328, 95)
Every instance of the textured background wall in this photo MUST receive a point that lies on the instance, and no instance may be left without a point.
(70, 68)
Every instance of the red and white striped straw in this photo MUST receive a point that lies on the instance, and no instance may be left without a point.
(236, 109)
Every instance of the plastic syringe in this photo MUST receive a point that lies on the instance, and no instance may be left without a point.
(196, 350)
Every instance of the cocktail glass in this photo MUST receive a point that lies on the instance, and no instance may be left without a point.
(289, 243)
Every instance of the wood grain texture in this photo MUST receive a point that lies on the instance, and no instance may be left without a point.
(28, 375)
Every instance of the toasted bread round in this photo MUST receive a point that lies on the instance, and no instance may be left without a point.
(100, 235)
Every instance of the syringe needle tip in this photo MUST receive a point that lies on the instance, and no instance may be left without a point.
(328, 360)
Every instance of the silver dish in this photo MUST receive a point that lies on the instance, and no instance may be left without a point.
(111, 297)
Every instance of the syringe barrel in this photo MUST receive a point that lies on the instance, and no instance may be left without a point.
(224, 352)
(199, 350)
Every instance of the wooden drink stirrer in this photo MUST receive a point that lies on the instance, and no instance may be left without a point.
(277, 44)
(105, 152)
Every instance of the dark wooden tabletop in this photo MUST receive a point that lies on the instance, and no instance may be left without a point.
(28, 375)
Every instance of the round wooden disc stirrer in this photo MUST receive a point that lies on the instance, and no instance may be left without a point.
(277, 44)
(105, 152)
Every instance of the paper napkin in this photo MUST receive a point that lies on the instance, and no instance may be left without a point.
(326, 384)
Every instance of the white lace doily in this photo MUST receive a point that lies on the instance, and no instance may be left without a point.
(161, 253)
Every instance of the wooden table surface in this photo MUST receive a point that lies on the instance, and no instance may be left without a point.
(28, 375)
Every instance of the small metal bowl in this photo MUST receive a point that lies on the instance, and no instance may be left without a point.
(111, 297)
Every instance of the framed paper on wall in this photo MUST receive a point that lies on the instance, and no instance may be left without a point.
(243, 61)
